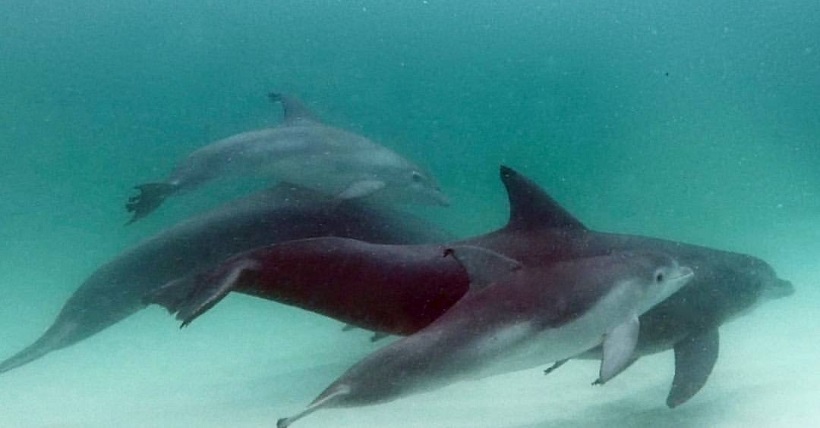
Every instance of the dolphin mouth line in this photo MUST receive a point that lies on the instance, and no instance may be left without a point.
(687, 274)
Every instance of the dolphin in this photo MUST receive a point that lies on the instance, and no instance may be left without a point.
(539, 232)
(116, 289)
(336, 276)
(529, 316)
(301, 151)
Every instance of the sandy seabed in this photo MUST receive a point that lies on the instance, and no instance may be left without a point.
(250, 362)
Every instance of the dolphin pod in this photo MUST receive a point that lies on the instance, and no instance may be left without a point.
(116, 290)
(539, 232)
(302, 151)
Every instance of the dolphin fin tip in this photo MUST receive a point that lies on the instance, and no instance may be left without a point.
(192, 297)
(149, 198)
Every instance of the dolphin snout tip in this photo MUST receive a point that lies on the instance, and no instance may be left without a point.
(777, 288)
(784, 288)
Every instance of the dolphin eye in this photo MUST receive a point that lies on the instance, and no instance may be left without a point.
(416, 177)
(659, 276)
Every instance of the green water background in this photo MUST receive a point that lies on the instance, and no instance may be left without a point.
(696, 121)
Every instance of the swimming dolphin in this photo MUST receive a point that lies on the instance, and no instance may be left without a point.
(301, 151)
(539, 232)
(531, 315)
(372, 286)
(116, 290)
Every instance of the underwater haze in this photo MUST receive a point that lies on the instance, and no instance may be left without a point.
(697, 121)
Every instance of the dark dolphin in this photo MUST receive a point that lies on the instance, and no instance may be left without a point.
(541, 232)
(116, 290)
(372, 286)
(301, 151)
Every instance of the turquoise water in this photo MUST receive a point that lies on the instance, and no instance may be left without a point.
(688, 120)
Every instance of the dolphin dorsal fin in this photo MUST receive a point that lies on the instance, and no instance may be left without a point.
(531, 207)
(483, 266)
(295, 110)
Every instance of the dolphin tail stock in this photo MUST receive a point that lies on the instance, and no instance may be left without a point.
(192, 296)
(58, 336)
(150, 197)
(327, 397)
(555, 366)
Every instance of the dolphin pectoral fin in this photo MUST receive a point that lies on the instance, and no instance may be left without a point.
(618, 349)
(150, 197)
(695, 357)
(361, 189)
(482, 265)
(378, 335)
(555, 366)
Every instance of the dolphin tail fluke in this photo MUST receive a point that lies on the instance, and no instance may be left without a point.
(150, 197)
(58, 336)
(192, 296)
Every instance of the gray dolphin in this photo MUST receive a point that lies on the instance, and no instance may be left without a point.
(539, 232)
(301, 151)
(115, 290)
(529, 316)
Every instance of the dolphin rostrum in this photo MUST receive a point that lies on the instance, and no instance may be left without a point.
(116, 290)
(539, 232)
(529, 316)
(301, 151)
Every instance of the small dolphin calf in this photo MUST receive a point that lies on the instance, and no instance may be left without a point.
(530, 316)
(301, 151)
